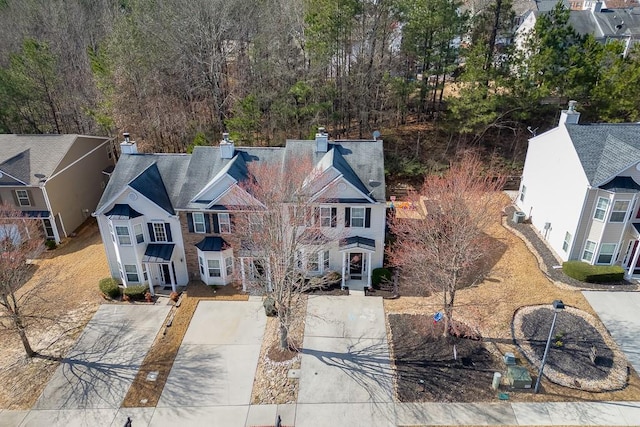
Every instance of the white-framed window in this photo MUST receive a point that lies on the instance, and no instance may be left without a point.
(601, 208)
(605, 256)
(23, 198)
(567, 241)
(201, 264)
(137, 230)
(224, 222)
(124, 238)
(228, 263)
(619, 211)
(159, 232)
(198, 222)
(132, 273)
(589, 250)
(313, 263)
(523, 192)
(48, 228)
(325, 260)
(213, 267)
(325, 216)
(357, 217)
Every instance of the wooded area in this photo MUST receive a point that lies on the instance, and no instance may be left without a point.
(175, 73)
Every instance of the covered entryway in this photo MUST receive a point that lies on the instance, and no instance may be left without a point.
(632, 253)
(356, 261)
(158, 265)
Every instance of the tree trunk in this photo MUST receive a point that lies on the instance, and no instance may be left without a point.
(284, 337)
(23, 337)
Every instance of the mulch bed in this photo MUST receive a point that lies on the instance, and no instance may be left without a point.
(425, 369)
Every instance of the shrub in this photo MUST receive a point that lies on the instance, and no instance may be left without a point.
(109, 287)
(50, 244)
(593, 273)
(135, 293)
(379, 275)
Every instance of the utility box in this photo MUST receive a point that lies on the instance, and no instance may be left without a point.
(518, 217)
(509, 359)
(518, 377)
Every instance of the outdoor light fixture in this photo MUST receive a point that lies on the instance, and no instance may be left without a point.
(557, 306)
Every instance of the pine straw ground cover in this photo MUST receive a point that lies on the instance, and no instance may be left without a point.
(161, 355)
(66, 280)
(514, 281)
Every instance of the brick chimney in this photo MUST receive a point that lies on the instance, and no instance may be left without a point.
(569, 116)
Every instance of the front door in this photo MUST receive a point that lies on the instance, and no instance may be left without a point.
(355, 265)
(164, 274)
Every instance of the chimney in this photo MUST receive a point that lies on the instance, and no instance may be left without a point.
(594, 6)
(569, 116)
(226, 147)
(128, 146)
(322, 141)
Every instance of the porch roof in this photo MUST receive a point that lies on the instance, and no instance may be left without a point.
(122, 211)
(212, 244)
(158, 252)
(357, 242)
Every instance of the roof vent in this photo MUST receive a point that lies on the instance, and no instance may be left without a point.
(226, 147)
(128, 146)
(322, 141)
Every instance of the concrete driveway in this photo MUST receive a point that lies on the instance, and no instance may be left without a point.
(620, 313)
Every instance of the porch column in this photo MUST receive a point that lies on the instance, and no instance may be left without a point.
(369, 270)
(344, 268)
(632, 266)
(173, 279)
(242, 274)
(146, 269)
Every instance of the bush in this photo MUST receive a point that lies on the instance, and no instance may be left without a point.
(50, 244)
(135, 293)
(593, 273)
(109, 287)
(379, 275)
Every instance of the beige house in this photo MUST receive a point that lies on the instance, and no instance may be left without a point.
(56, 179)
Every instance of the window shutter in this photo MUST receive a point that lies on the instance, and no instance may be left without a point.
(207, 223)
(367, 218)
(316, 216)
(152, 236)
(216, 224)
(232, 224)
(167, 228)
(334, 217)
(347, 217)
(190, 221)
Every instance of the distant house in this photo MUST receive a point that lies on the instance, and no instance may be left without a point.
(581, 190)
(55, 179)
(592, 17)
(166, 219)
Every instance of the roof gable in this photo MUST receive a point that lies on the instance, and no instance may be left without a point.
(149, 183)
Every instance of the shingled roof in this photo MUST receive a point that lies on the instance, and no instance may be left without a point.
(605, 149)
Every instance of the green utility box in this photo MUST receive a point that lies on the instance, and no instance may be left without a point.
(518, 377)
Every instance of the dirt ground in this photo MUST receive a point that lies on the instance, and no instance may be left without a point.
(64, 288)
(514, 281)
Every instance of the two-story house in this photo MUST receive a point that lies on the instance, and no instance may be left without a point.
(580, 189)
(197, 200)
(54, 179)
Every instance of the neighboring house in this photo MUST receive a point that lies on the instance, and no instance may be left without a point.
(55, 179)
(603, 24)
(580, 189)
(166, 219)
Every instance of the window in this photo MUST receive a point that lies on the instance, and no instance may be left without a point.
(122, 231)
(523, 192)
(567, 241)
(619, 211)
(325, 260)
(214, 267)
(601, 208)
(228, 263)
(589, 249)
(606, 253)
(159, 232)
(357, 217)
(224, 222)
(23, 198)
(131, 272)
(201, 264)
(325, 217)
(137, 230)
(48, 228)
(198, 222)
(312, 263)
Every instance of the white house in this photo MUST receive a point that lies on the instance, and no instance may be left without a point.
(580, 190)
(167, 219)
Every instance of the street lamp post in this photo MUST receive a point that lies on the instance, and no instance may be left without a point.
(557, 306)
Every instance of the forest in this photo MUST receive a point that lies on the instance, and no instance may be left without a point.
(433, 76)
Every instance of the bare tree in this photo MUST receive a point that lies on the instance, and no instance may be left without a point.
(20, 241)
(442, 247)
(283, 239)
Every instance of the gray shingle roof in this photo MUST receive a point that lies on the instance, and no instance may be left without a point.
(30, 158)
(605, 149)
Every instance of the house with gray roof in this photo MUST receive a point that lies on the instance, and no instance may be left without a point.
(167, 219)
(581, 189)
(54, 179)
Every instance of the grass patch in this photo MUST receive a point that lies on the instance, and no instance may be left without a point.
(593, 273)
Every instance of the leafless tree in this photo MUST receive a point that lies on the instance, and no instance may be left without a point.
(442, 246)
